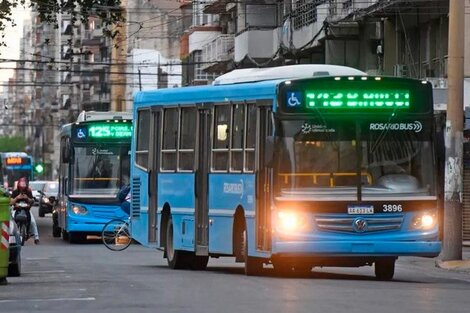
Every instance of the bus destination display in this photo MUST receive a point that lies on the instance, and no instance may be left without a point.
(104, 131)
(349, 99)
(16, 160)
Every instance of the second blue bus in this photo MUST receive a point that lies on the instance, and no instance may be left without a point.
(94, 165)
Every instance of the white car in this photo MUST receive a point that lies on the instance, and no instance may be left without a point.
(36, 186)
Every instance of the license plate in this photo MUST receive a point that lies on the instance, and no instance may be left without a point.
(361, 209)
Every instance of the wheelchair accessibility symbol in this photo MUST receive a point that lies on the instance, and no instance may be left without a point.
(293, 98)
(80, 133)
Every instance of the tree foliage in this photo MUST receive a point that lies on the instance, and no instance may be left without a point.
(109, 11)
(12, 144)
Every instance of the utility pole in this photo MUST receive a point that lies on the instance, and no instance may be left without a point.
(452, 242)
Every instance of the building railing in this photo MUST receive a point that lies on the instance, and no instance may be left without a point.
(218, 50)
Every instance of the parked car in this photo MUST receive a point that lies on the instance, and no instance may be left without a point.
(48, 197)
(14, 265)
(37, 186)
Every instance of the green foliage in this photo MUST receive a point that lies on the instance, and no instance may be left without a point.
(12, 144)
(109, 11)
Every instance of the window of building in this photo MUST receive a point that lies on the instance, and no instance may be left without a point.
(143, 132)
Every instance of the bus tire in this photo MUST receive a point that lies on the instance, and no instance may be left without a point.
(253, 266)
(385, 269)
(176, 259)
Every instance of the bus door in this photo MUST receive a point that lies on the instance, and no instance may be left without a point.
(201, 181)
(154, 161)
(263, 177)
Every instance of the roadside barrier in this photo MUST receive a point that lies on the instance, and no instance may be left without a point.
(4, 238)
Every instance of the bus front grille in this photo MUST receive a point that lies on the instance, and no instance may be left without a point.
(367, 224)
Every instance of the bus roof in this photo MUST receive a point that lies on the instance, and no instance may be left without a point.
(13, 154)
(243, 84)
(285, 72)
(97, 116)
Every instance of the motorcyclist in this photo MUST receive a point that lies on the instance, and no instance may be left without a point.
(23, 192)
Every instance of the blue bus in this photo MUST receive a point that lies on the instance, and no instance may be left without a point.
(14, 165)
(297, 166)
(94, 165)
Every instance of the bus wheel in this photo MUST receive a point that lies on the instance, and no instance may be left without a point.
(253, 266)
(385, 268)
(176, 259)
(198, 262)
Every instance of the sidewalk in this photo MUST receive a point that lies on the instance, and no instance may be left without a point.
(462, 266)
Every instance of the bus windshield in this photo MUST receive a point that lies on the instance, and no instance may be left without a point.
(100, 170)
(330, 163)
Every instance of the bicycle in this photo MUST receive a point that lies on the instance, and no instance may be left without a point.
(116, 234)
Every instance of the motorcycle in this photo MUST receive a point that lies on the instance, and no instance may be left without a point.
(21, 219)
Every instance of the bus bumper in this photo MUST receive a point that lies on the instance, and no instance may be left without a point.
(357, 248)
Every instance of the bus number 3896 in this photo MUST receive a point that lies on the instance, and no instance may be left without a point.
(392, 208)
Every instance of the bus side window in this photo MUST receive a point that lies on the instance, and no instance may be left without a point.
(220, 148)
(250, 142)
(187, 139)
(170, 138)
(142, 146)
(236, 149)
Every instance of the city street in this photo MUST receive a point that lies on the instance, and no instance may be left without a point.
(59, 277)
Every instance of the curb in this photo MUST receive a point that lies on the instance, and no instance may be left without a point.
(454, 265)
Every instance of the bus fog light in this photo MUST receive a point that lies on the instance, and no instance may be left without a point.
(424, 221)
(79, 210)
(291, 221)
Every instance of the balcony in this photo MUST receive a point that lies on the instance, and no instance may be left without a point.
(219, 52)
(215, 7)
(200, 36)
(255, 43)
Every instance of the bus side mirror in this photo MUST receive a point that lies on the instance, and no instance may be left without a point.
(269, 150)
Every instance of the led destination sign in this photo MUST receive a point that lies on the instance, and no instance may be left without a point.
(15, 161)
(385, 99)
(362, 95)
(103, 131)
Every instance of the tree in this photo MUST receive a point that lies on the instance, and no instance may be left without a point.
(108, 11)
(12, 144)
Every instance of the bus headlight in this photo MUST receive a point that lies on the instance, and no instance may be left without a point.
(79, 210)
(424, 221)
(291, 221)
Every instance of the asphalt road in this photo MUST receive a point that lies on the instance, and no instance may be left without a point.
(59, 277)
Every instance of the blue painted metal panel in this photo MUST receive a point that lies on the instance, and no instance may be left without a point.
(97, 216)
(176, 189)
(226, 193)
(358, 248)
(200, 94)
(140, 222)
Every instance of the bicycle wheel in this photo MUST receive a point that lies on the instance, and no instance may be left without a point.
(116, 235)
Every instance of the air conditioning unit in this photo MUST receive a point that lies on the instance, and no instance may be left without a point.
(400, 70)
(437, 82)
